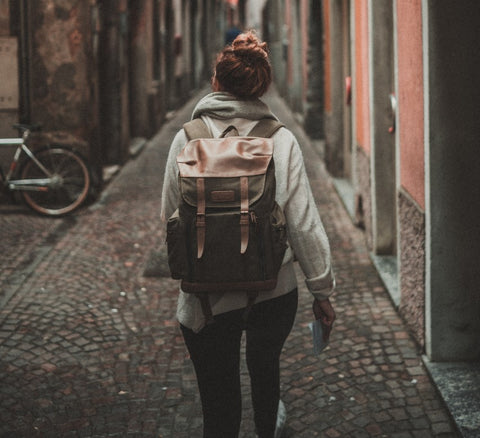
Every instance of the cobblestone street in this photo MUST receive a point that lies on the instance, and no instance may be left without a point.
(89, 345)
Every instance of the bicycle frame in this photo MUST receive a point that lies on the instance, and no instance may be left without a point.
(54, 180)
(37, 184)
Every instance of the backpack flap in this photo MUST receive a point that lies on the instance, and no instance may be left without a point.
(225, 157)
(215, 173)
(222, 162)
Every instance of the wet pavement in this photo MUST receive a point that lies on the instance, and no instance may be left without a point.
(89, 344)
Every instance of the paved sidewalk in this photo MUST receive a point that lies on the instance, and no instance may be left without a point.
(89, 346)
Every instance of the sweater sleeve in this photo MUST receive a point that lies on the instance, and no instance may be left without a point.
(170, 190)
(307, 235)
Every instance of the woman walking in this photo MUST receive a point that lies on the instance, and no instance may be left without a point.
(242, 74)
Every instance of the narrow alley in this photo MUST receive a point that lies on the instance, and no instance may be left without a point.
(89, 346)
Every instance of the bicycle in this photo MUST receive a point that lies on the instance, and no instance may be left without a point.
(53, 180)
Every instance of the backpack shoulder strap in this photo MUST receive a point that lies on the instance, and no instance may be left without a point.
(265, 128)
(196, 128)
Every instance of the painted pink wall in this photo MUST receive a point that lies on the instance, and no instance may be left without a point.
(328, 57)
(304, 30)
(361, 82)
(410, 98)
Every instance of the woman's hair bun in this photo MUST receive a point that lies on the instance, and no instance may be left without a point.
(249, 45)
(243, 68)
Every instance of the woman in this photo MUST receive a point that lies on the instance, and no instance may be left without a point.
(242, 74)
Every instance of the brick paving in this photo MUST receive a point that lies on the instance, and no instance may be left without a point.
(89, 345)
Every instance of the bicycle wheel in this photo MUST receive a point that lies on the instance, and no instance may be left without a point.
(68, 181)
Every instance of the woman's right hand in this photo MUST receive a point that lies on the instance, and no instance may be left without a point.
(323, 311)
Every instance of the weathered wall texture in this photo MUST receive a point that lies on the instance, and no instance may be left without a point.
(412, 265)
(8, 77)
(62, 74)
(4, 18)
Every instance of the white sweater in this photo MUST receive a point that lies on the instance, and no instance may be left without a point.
(306, 235)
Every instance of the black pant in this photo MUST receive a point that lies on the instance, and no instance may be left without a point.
(215, 353)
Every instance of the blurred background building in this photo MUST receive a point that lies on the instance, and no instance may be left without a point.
(102, 74)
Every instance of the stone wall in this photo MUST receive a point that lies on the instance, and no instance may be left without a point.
(412, 265)
(62, 71)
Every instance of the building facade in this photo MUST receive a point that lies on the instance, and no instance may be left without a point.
(294, 31)
(101, 75)
(402, 144)
(389, 86)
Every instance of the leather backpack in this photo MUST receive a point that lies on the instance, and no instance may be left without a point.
(228, 234)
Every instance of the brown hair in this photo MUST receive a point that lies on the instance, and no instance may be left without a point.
(243, 68)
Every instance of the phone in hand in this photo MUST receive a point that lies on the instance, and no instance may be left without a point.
(319, 344)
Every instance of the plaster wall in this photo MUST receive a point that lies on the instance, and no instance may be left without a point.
(327, 56)
(361, 80)
(383, 151)
(140, 68)
(410, 98)
(334, 16)
(453, 232)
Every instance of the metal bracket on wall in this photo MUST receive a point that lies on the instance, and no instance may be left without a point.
(393, 105)
(348, 90)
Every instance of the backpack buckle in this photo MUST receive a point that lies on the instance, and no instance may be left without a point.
(201, 220)
(244, 217)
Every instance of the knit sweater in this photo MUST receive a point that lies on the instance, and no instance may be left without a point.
(306, 235)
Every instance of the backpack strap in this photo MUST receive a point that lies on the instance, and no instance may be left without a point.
(200, 222)
(244, 214)
(229, 131)
(196, 128)
(265, 128)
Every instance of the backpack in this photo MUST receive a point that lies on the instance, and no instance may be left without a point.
(228, 233)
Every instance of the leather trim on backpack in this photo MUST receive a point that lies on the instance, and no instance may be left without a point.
(196, 128)
(244, 214)
(200, 222)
